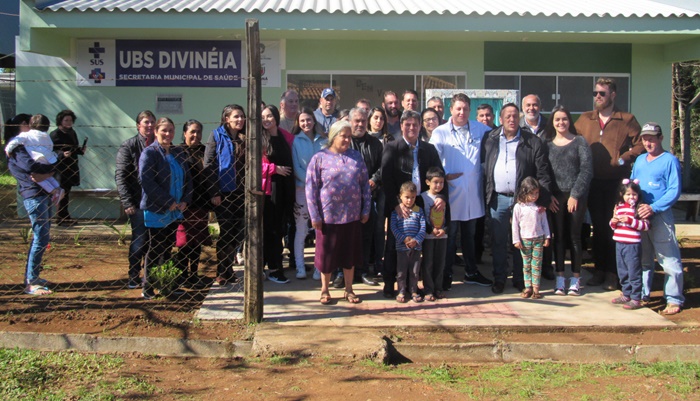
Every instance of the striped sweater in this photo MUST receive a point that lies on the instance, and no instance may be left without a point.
(413, 226)
(628, 233)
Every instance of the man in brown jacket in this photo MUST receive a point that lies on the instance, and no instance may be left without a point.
(613, 137)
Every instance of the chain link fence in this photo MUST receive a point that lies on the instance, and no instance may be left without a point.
(86, 262)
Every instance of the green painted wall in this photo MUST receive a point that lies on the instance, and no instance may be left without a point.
(651, 87)
(558, 57)
(348, 55)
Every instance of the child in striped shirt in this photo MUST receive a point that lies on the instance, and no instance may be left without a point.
(626, 226)
(409, 233)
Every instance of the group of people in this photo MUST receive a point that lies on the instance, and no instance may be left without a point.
(537, 179)
(46, 168)
(389, 190)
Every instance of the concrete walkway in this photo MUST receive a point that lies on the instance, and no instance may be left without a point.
(297, 304)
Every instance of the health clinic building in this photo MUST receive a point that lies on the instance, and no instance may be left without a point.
(109, 59)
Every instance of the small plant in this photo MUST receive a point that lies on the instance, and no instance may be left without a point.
(121, 233)
(25, 233)
(164, 277)
(76, 237)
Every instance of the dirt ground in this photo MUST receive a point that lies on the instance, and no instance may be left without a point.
(91, 298)
(322, 379)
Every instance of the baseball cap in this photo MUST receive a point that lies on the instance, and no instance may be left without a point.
(328, 92)
(651, 129)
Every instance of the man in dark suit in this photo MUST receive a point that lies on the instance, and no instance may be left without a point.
(405, 159)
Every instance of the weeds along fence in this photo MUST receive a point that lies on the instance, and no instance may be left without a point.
(87, 263)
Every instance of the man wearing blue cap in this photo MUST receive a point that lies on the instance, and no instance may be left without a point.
(326, 114)
(659, 175)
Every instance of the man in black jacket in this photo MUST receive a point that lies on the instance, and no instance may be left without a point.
(510, 154)
(129, 187)
(405, 159)
(371, 150)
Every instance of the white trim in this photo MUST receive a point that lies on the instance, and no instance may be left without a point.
(374, 72)
(560, 74)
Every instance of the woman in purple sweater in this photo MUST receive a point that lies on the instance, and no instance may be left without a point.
(338, 197)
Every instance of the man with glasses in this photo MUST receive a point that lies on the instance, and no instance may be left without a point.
(404, 159)
(458, 143)
(613, 137)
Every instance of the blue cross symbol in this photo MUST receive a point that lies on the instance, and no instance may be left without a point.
(96, 50)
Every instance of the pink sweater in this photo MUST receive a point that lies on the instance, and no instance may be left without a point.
(268, 169)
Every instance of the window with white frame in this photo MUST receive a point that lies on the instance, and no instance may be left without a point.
(573, 90)
(352, 86)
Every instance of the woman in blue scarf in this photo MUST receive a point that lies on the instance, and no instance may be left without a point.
(224, 160)
(167, 190)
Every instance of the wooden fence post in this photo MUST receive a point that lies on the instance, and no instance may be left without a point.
(254, 198)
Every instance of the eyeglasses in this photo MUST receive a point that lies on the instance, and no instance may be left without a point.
(430, 120)
(601, 93)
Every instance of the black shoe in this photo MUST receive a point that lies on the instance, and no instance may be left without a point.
(519, 286)
(339, 281)
(194, 282)
(389, 294)
(148, 294)
(178, 292)
(548, 274)
(498, 287)
(447, 283)
(477, 279)
(134, 283)
(459, 260)
(278, 277)
(368, 280)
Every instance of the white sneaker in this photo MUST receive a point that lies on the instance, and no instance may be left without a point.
(574, 287)
(317, 275)
(559, 288)
(301, 273)
(239, 259)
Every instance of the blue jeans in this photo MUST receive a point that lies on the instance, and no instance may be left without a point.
(501, 244)
(660, 241)
(39, 211)
(139, 244)
(629, 269)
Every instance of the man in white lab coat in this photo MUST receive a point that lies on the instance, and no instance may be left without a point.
(458, 143)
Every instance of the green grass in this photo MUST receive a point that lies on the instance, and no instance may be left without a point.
(34, 375)
(535, 380)
(6, 179)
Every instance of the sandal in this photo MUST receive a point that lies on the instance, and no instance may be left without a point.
(430, 297)
(325, 298)
(351, 297)
(536, 295)
(401, 298)
(527, 293)
(416, 298)
(37, 290)
(671, 309)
